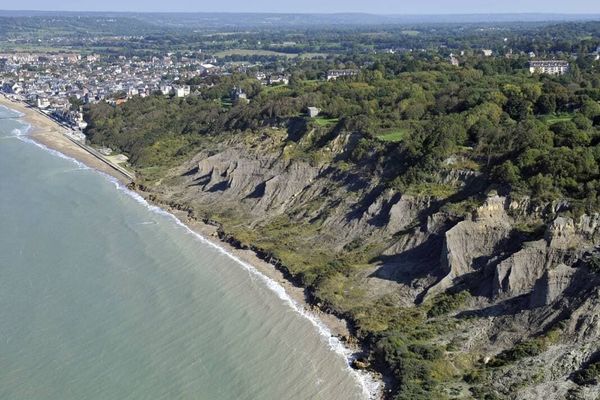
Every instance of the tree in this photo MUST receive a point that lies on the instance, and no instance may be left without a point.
(567, 134)
(546, 104)
(518, 108)
(507, 173)
(590, 109)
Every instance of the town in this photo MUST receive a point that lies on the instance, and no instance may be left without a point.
(60, 83)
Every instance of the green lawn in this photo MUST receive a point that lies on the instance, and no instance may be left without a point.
(253, 52)
(552, 119)
(277, 88)
(395, 135)
(259, 52)
(322, 121)
(226, 103)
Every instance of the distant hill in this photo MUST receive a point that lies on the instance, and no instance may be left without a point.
(220, 20)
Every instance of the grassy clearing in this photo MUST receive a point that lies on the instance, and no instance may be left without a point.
(322, 121)
(253, 52)
(395, 136)
(276, 89)
(226, 103)
(556, 118)
(259, 52)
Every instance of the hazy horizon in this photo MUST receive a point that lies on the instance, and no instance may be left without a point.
(377, 7)
(233, 12)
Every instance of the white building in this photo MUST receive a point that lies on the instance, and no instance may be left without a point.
(313, 112)
(279, 79)
(553, 67)
(337, 73)
(43, 102)
(182, 91)
(454, 61)
(165, 89)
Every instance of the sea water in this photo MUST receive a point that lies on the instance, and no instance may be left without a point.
(105, 297)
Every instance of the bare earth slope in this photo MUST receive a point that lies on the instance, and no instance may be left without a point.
(513, 309)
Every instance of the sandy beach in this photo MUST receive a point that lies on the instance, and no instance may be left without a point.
(49, 133)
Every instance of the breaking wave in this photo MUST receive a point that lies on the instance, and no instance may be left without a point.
(370, 386)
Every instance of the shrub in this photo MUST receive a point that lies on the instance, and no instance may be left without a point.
(529, 348)
(446, 303)
(588, 376)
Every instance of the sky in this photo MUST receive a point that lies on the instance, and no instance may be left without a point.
(316, 6)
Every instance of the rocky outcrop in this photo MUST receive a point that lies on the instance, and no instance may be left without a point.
(517, 274)
(522, 284)
(552, 284)
(265, 184)
(470, 242)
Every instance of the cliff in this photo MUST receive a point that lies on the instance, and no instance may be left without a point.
(504, 294)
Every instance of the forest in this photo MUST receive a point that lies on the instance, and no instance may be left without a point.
(530, 134)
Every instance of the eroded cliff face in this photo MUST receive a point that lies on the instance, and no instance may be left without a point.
(411, 249)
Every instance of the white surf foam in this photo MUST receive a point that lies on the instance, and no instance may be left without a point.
(21, 134)
(370, 386)
(16, 114)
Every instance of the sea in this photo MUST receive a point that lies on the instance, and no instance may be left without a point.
(103, 296)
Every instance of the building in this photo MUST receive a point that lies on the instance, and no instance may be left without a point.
(553, 67)
(487, 52)
(182, 91)
(333, 74)
(313, 112)
(42, 102)
(279, 79)
(238, 96)
(454, 61)
(165, 89)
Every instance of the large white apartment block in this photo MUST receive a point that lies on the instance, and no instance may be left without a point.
(554, 67)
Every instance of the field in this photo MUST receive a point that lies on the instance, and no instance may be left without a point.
(322, 121)
(555, 118)
(395, 135)
(267, 53)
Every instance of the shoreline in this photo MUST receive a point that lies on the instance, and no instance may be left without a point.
(50, 134)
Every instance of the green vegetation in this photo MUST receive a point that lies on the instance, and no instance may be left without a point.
(588, 376)
(326, 122)
(527, 348)
(252, 52)
(485, 129)
(435, 190)
(553, 119)
(407, 122)
(393, 135)
(446, 303)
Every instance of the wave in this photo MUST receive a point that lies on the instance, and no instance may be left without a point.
(14, 113)
(370, 386)
(21, 134)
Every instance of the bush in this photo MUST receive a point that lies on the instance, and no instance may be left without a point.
(446, 303)
(521, 350)
(588, 376)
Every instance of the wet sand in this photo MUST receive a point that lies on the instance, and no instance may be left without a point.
(49, 133)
